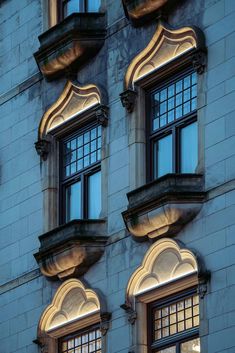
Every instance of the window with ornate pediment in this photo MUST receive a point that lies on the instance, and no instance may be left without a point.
(70, 145)
(161, 94)
(163, 297)
(75, 321)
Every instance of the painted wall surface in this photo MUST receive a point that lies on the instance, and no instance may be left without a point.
(25, 96)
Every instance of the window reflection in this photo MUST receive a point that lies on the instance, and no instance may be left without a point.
(163, 156)
(189, 149)
(94, 195)
(73, 201)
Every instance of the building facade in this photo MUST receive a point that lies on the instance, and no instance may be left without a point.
(117, 196)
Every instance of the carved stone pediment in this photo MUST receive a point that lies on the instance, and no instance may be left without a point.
(64, 47)
(164, 206)
(71, 249)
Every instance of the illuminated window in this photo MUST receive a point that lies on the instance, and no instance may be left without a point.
(85, 341)
(172, 126)
(81, 175)
(67, 7)
(174, 324)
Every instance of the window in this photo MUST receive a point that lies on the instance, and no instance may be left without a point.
(174, 324)
(67, 7)
(81, 175)
(82, 342)
(173, 140)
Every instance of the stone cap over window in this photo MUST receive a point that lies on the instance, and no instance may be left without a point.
(165, 205)
(71, 248)
(64, 47)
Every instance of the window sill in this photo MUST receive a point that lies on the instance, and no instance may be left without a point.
(141, 11)
(72, 248)
(67, 45)
(164, 206)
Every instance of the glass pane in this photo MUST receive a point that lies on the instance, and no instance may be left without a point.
(93, 5)
(192, 346)
(94, 195)
(72, 6)
(163, 156)
(189, 149)
(168, 350)
(73, 201)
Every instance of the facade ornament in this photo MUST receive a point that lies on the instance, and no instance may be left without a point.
(105, 322)
(43, 346)
(203, 279)
(102, 115)
(128, 98)
(132, 314)
(42, 147)
(199, 61)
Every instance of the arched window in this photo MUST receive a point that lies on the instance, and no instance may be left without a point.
(75, 321)
(163, 295)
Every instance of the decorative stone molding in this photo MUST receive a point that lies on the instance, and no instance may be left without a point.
(165, 261)
(199, 61)
(73, 103)
(105, 322)
(140, 11)
(102, 115)
(71, 249)
(67, 45)
(42, 148)
(128, 98)
(164, 206)
(166, 46)
(131, 313)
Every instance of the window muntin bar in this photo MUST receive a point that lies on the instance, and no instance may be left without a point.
(174, 101)
(84, 342)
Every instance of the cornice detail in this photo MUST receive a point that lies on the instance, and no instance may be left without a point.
(166, 45)
(73, 101)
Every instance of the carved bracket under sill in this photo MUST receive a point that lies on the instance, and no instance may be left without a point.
(42, 148)
(105, 322)
(128, 99)
(164, 206)
(131, 313)
(71, 249)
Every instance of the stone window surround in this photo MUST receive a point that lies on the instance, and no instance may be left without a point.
(89, 305)
(137, 300)
(134, 95)
(76, 107)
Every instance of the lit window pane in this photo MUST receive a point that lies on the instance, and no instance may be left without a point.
(163, 156)
(73, 201)
(192, 346)
(93, 5)
(189, 148)
(94, 195)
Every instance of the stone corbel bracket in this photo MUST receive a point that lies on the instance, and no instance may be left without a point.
(105, 319)
(131, 313)
(198, 60)
(42, 147)
(204, 277)
(101, 113)
(128, 99)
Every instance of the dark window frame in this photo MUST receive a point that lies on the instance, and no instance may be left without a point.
(173, 127)
(176, 339)
(75, 334)
(82, 174)
(62, 3)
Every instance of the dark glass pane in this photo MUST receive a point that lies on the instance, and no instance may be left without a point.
(73, 201)
(189, 148)
(93, 5)
(163, 156)
(72, 6)
(94, 195)
(192, 346)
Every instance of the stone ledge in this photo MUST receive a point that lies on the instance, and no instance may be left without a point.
(64, 47)
(141, 11)
(71, 248)
(165, 205)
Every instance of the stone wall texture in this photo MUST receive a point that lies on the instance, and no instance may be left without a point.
(24, 292)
